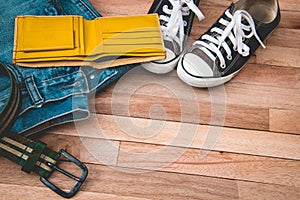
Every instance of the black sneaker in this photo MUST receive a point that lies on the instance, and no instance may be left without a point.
(225, 48)
(176, 19)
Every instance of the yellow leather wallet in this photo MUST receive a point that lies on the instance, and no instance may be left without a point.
(45, 41)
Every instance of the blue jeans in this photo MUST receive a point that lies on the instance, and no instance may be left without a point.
(50, 96)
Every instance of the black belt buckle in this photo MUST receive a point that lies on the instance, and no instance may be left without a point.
(79, 180)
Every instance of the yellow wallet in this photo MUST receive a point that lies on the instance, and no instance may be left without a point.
(45, 41)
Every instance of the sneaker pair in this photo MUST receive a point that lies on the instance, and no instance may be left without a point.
(222, 51)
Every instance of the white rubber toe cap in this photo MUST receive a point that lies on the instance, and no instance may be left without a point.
(196, 72)
(162, 66)
(196, 66)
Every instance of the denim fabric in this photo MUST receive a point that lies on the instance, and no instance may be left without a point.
(50, 96)
(4, 91)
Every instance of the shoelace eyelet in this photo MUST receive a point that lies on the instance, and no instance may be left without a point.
(229, 57)
(187, 13)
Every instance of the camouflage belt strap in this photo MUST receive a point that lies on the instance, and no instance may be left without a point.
(31, 155)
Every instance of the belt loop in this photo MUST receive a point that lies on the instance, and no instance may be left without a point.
(32, 89)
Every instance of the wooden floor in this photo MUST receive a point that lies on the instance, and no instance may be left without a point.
(153, 137)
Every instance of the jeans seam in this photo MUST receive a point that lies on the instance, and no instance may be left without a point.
(58, 116)
(104, 80)
(89, 9)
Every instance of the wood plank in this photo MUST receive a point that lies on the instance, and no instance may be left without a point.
(285, 121)
(114, 7)
(250, 191)
(242, 116)
(30, 192)
(290, 19)
(273, 56)
(99, 151)
(122, 183)
(266, 93)
(145, 106)
(181, 135)
(290, 39)
(247, 98)
(292, 5)
(209, 163)
(142, 106)
(262, 96)
(140, 183)
(266, 75)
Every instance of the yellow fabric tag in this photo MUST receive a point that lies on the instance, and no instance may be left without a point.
(44, 40)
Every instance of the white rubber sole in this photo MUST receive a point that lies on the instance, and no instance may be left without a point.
(201, 82)
(160, 68)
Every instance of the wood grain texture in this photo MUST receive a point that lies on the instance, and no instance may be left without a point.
(153, 137)
(144, 184)
(249, 191)
(33, 192)
(245, 101)
(107, 127)
(125, 183)
(285, 120)
(99, 151)
(207, 163)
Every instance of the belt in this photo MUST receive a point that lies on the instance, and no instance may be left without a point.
(32, 156)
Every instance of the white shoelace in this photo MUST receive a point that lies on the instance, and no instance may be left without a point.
(235, 31)
(175, 22)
